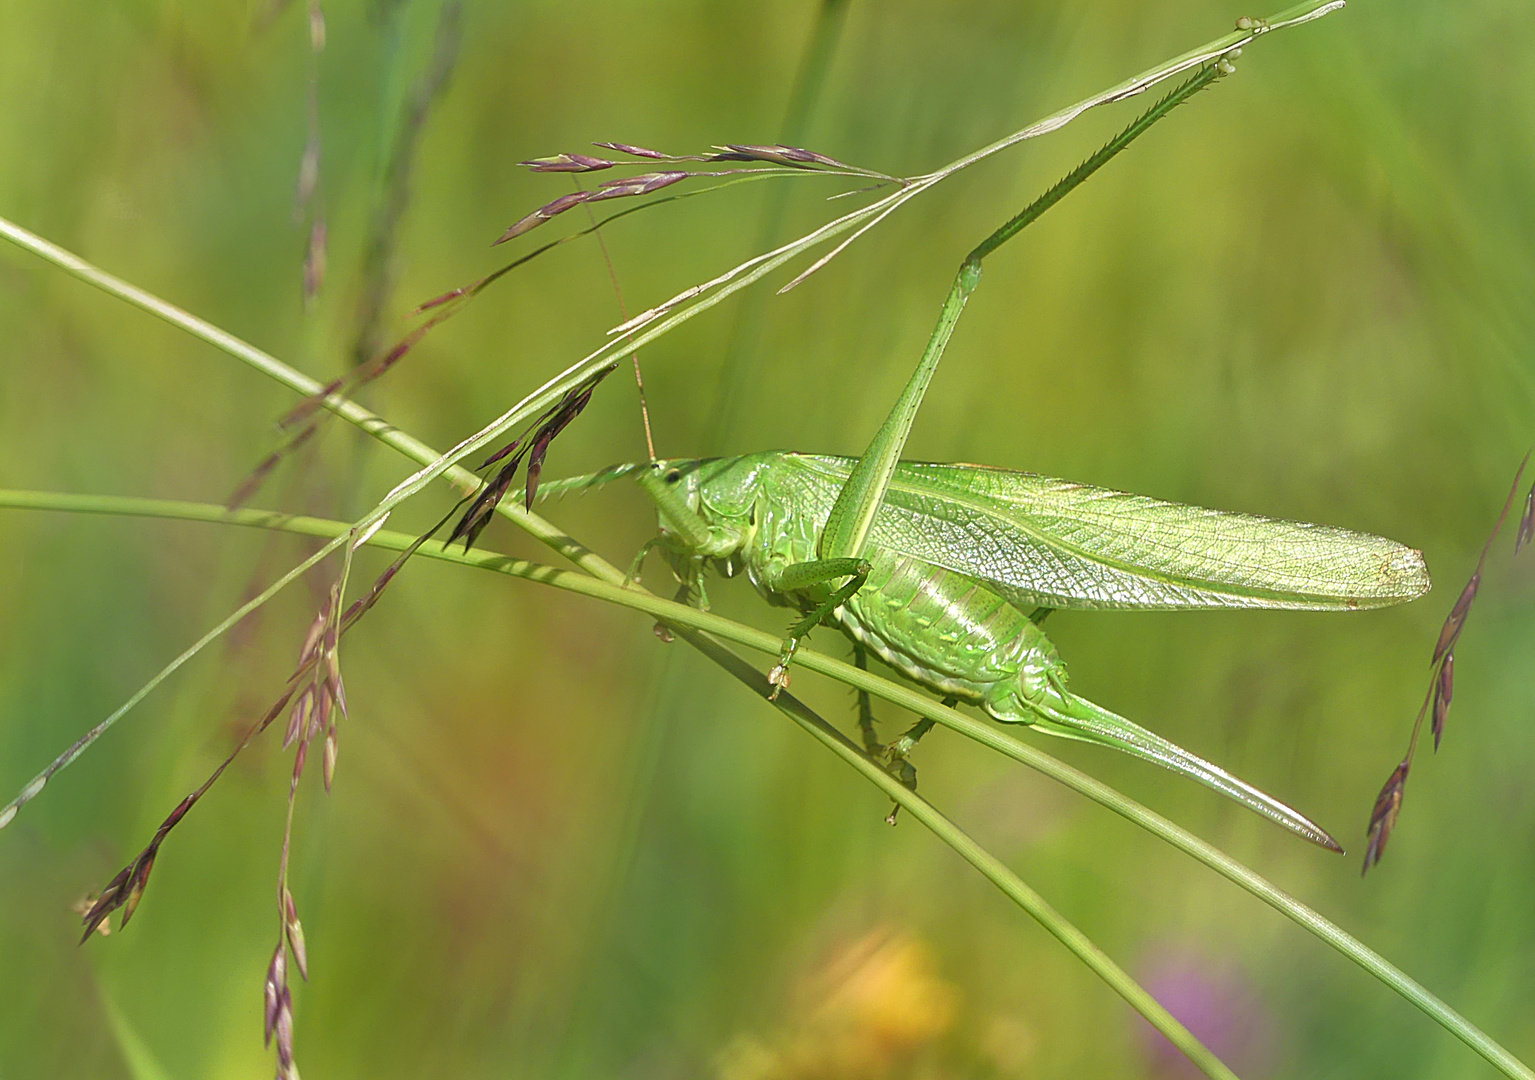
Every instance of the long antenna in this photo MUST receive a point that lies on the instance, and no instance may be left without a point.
(623, 311)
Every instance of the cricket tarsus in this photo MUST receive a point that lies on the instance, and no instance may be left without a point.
(894, 757)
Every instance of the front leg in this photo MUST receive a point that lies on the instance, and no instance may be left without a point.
(798, 577)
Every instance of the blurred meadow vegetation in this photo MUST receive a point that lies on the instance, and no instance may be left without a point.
(556, 848)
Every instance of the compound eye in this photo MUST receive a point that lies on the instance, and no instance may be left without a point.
(672, 476)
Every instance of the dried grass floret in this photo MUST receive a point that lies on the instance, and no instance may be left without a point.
(534, 446)
(1441, 684)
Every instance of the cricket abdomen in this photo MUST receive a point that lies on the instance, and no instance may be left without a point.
(952, 634)
(940, 628)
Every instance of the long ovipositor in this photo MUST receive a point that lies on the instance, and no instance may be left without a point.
(960, 556)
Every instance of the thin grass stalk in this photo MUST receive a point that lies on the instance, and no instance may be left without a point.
(653, 320)
(736, 363)
(557, 388)
(680, 615)
(465, 481)
(446, 464)
(594, 564)
(1247, 29)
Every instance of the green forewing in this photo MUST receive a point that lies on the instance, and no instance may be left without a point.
(1053, 543)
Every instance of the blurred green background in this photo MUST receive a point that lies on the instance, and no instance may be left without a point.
(556, 848)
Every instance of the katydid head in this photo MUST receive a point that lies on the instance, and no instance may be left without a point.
(716, 489)
(674, 484)
(686, 527)
(707, 507)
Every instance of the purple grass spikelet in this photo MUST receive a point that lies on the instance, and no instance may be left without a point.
(1444, 689)
(1388, 804)
(567, 163)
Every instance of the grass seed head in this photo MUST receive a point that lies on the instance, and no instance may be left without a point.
(1444, 689)
(1388, 804)
(1450, 631)
(635, 151)
(330, 758)
(126, 889)
(283, 1030)
(567, 163)
(276, 979)
(299, 717)
(792, 156)
(639, 184)
(295, 935)
(543, 214)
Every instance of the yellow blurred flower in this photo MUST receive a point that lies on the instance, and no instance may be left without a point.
(864, 1014)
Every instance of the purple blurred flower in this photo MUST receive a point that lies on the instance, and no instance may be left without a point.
(1217, 1003)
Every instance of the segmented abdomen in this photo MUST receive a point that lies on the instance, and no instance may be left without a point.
(946, 631)
(939, 628)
